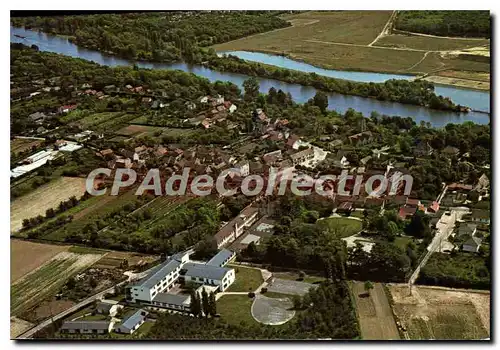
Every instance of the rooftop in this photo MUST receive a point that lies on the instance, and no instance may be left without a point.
(220, 258)
(205, 271)
(86, 325)
(174, 299)
(131, 321)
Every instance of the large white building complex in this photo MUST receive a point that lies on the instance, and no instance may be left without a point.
(153, 290)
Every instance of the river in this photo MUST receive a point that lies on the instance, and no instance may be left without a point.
(300, 93)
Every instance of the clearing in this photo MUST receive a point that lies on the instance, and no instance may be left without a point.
(374, 313)
(235, 309)
(442, 313)
(45, 197)
(32, 288)
(26, 256)
(247, 279)
(342, 226)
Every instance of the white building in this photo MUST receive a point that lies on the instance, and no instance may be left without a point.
(133, 322)
(153, 289)
(161, 279)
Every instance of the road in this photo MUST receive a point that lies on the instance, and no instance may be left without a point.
(30, 333)
(444, 229)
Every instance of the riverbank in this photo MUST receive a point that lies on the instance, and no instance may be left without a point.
(300, 94)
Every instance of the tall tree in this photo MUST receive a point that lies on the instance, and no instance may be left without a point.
(205, 303)
(321, 100)
(251, 86)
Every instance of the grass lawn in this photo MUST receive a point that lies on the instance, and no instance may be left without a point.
(235, 309)
(247, 279)
(402, 242)
(342, 226)
(295, 277)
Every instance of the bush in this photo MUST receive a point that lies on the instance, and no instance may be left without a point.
(251, 295)
(263, 290)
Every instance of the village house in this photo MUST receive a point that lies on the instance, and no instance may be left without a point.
(130, 324)
(480, 215)
(472, 245)
(66, 108)
(108, 307)
(37, 117)
(302, 156)
(272, 157)
(360, 139)
(466, 229)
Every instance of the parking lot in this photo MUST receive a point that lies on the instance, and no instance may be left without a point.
(279, 285)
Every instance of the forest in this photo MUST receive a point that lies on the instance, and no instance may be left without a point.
(158, 36)
(446, 23)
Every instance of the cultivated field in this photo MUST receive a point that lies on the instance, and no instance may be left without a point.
(374, 313)
(442, 313)
(21, 145)
(340, 39)
(429, 43)
(45, 197)
(26, 256)
(32, 288)
(114, 259)
(18, 326)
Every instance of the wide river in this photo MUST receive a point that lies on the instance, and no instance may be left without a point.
(474, 99)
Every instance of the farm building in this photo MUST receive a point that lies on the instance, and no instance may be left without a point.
(86, 327)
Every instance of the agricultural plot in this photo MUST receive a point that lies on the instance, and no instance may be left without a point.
(26, 256)
(101, 206)
(247, 279)
(442, 313)
(47, 279)
(429, 43)
(272, 311)
(45, 197)
(18, 326)
(374, 313)
(114, 259)
(21, 145)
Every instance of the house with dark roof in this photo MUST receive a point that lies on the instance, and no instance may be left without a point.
(472, 245)
(108, 307)
(481, 216)
(362, 138)
(87, 327)
(210, 275)
(131, 323)
(235, 227)
(466, 229)
(221, 258)
(423, 149)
